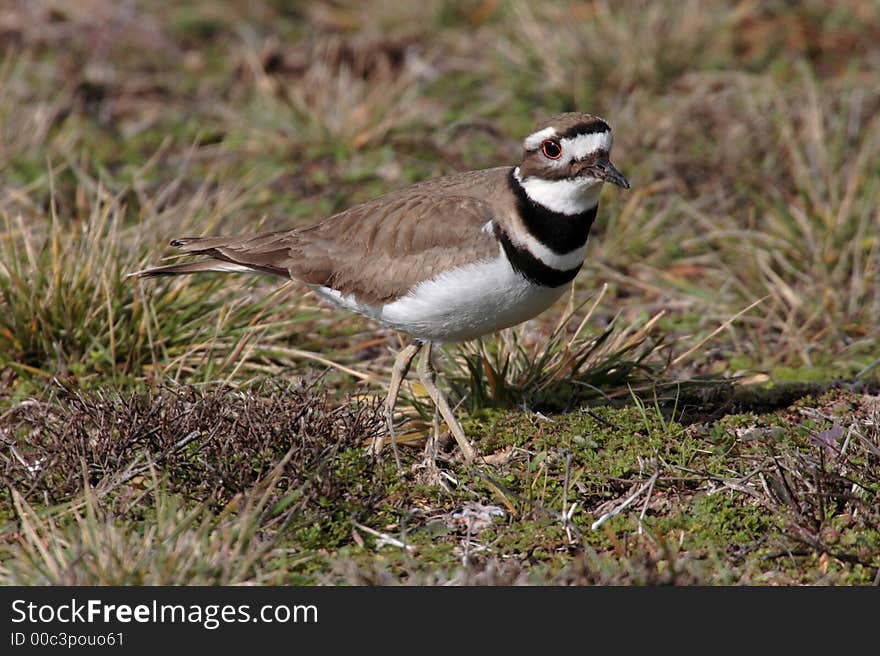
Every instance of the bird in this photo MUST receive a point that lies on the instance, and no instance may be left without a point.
(446, 260)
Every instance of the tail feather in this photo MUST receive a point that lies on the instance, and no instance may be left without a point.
(254, 254)
(202, 244)
(200, 266)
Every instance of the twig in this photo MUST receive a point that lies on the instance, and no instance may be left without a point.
(723, 326)
(308, 355)
(384, 538)
(647, 484)
(527, 502)
(134, 469)
(566, 511)
(647, 500)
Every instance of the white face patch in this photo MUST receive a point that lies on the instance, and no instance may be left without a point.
(573, 148)
(534, 140)
(583, 145)
(569, 196)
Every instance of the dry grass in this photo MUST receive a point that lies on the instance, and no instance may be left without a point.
(212, 445)
(181, 547)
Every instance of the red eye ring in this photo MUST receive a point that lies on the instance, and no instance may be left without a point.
(551, 149)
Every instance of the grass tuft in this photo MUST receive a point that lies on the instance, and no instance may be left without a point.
(181, 547)
(559, 370)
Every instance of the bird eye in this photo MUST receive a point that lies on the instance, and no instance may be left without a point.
(551, 149)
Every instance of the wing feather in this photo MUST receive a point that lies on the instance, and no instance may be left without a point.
(376, 251)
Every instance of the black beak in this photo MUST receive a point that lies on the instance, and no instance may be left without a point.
(603, 169)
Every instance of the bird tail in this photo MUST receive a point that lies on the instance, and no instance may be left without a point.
(200, 266)
(256, 254)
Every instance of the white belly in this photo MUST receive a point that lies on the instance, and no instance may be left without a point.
(458, 305)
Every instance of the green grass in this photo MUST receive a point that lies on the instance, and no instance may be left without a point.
(715, 363)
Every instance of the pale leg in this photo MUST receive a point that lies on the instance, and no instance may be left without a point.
(398, 373)
(428, 376)
(429, 462)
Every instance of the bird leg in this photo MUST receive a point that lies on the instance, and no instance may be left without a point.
(428, 376)
(398, 373)
(429, 463)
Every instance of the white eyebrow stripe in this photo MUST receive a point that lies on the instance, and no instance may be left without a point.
(584, 144)
(534, 140)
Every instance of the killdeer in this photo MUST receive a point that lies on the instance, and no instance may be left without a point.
(445, 260)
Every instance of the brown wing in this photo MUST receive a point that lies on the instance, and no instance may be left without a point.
(377, 250)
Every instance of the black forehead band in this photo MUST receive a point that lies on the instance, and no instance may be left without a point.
(584, 128)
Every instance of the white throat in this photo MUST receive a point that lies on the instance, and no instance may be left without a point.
(573, 196)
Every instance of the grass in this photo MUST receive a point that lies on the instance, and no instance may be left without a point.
(181, 547)
(709, 385)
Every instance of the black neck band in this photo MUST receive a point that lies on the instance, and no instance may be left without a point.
(530, 267)
(561, 233)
